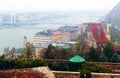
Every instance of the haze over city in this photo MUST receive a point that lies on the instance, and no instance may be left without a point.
(56, 5)
(59, 38)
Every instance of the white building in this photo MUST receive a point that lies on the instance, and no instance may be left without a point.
(42, 38)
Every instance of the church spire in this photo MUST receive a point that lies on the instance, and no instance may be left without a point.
(108, 29)
(108, 25)
(25, 41)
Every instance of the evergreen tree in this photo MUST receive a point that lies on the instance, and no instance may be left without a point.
(103, 58)
(108, 50)
(93, 54)
(115, 58)
(50, 52)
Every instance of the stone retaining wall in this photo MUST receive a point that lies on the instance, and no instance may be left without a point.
(114, 66)
(35, 72)
(64, 74)
(104, 75)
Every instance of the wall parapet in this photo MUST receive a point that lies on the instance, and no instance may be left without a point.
(66, 74)
(104, 75)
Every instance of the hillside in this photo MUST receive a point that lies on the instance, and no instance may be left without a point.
(114, 15)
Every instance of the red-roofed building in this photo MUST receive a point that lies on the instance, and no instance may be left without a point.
(94, 35)
(57, 36)
(56, 32)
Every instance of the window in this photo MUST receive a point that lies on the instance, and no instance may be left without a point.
(99, 31)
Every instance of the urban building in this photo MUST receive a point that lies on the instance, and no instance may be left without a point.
(94, 35)
(25, 42)
(73, 32)
(57, 36)
(65, 37)
(42, 38)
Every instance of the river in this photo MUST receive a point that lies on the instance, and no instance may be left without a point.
(13, 37)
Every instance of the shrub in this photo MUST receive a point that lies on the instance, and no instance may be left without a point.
(95, 68)
(20, 63)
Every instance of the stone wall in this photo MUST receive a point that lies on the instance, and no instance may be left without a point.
(50, 74)
(114, 66)
(64, 74)
(35, 72)
(104, 75)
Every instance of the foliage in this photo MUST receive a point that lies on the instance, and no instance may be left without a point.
(108, 50)
(83, 54)
(50, 52)
(59, 52)
(115, 58)
(108, 54)
(58, 67)
(92, 67)
(69, 53)
(28, 51)
(95, 68)
(20, 63)
(2, 57)
(103, 58)
(37, 62)
(93, 54)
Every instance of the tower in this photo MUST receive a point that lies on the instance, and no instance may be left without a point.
(108, 26)
(108, 30)
(25, 41)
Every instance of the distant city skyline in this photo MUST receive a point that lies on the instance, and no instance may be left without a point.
(56, 5)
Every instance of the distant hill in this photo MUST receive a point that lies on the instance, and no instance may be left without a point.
(114, 15)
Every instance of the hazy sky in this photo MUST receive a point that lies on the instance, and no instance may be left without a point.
(55, 5)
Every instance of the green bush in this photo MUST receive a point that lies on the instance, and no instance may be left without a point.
(95, 68)
(90, 66)
(59, 67)
(20, 63)
(37, 62)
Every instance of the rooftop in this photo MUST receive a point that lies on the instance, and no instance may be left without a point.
(44, 33)
(68, 28)
(98, 32)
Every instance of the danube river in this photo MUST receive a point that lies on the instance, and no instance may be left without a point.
(13, 37)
